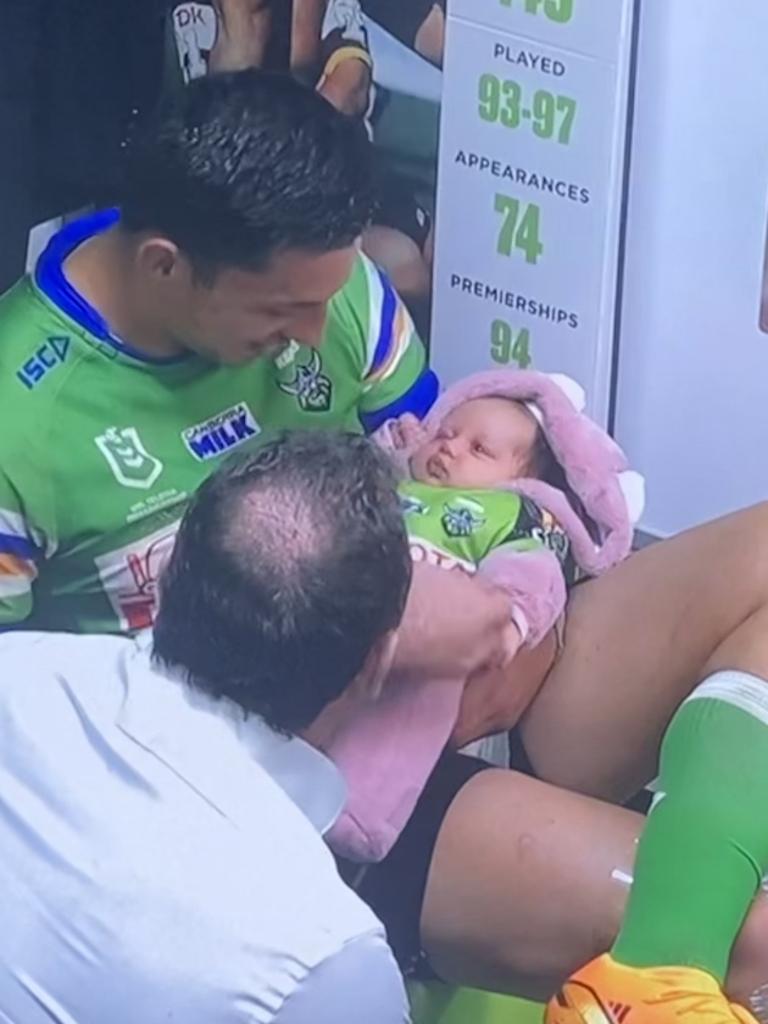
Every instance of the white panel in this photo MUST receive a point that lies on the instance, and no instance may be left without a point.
(693, 387)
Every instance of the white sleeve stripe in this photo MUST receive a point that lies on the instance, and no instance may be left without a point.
(375, 306)
(15, 525)
(14, 586)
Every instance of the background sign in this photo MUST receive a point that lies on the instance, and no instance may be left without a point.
(530, 187)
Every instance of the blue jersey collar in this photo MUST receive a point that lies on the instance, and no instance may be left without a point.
(53, 283)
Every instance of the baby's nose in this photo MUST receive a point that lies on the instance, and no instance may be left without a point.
(451, 445)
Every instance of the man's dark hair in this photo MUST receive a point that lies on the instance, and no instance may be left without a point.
(545, 466)
(247, 163)
(290, 564)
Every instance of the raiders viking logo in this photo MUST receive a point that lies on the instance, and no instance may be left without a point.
(412, 506)
(462, 517)
(312, 388)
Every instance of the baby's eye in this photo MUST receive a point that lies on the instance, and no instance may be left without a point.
(480, 449)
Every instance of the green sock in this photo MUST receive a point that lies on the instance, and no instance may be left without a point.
(704, 850)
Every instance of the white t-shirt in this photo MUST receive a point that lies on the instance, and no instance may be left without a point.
(161, 857)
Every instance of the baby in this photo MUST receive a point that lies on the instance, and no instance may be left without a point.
(505, 478)
(457, 507)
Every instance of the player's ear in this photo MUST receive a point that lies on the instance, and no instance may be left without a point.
(160, 258)
(371, 677)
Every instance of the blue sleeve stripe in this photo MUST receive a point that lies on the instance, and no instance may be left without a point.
(418, 399)
(19, 547)
(386, 325)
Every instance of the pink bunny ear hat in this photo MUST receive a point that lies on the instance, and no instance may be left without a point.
(595, 467)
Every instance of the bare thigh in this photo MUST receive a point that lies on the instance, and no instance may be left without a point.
(529, 882)
(637, 641)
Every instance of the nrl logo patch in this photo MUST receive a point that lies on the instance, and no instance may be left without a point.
(129, 460)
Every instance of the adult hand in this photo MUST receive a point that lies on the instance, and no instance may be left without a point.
(453, 625)
(495, 699)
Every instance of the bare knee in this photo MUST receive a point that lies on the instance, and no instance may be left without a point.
(526, 884)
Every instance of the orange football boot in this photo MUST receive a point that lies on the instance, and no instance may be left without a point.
(606, 992)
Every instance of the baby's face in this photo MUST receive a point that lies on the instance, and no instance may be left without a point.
(483, 443)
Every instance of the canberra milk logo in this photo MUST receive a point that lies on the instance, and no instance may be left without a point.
(127, 457)
(221, 433)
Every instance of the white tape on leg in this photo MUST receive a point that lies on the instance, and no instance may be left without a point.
(758, 1004)
(740, 689)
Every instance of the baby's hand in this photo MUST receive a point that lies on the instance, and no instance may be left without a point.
(406, 431)
(400, 434)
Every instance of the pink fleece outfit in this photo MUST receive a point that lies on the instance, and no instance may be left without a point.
(386, 749)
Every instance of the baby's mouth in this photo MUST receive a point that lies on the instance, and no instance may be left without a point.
(436, 467)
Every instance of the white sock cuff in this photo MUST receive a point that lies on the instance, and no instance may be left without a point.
(758, 1004)
(740, 689)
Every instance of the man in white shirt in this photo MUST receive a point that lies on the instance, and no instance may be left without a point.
(161, 852)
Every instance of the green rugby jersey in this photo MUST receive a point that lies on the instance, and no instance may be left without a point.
(101, 449)
(459, 527)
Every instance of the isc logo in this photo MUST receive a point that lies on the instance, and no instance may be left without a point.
(221, 433)
(48, 356)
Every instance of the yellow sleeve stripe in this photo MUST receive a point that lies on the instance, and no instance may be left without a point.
(343, 54)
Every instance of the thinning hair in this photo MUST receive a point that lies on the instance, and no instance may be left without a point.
(290, 564)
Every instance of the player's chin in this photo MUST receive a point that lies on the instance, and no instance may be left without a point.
(246, 355)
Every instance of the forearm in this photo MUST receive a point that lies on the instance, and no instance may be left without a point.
(242, 36)
(452, 624)
(495, 700)
(418, 630)
(306, 37)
